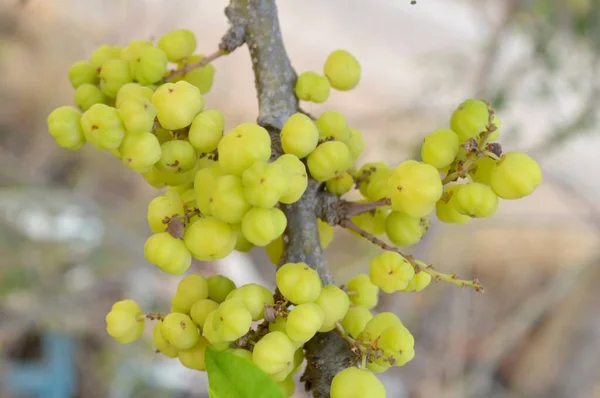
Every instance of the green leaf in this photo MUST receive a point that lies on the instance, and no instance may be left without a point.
(230, 376)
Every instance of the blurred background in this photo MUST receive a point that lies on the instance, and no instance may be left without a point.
(73, 224)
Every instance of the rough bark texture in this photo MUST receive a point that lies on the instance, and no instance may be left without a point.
(255, 23)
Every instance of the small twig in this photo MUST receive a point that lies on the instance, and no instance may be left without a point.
(349, 209)
(437, 276)
(307, 114)
(205, 61)
(355, 344)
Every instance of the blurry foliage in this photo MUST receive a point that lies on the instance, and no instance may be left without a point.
(559, 30)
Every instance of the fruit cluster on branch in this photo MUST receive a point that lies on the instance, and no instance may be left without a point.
(278, 185)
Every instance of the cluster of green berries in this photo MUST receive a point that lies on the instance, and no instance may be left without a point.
(462, 175)
(224, 190)
(467, 152)
(129, 102)
(268, 329)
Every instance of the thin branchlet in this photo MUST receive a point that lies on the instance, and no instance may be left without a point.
(418, 266)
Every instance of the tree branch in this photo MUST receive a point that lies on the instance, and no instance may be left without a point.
(255, 23)
(274, 76)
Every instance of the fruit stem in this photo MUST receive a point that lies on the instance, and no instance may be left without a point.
(350, 209)
(199, 64)
(491, 155)
(437, 276)
(355, 344)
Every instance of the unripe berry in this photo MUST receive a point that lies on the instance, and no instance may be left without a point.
(209, 239)
(207, 130)
(193, 358)
(397, 344)
(255, 297)
(440, 148)
(177, 44)
(131, 52)
(262, 226)
(190, 289)
(356, 383)
(227, 202)
(204, 183)
(161, 207)
(342, 70)
(362, 291)
(132, 91)
(304, 321)
(167, 253)
(475, 200)
(445, 210)
(355, 143)
(87, 95)
(391, 272)
(516, 175)
(264, 183)
(210, 333)
(162, 345)
(232, 320)
(200, 310)
(298, 283)
(312, 87)
(201, 77)
(219, 287)
(242, 146)
(340, 184)
(299, 135)
(470, 119)
(297, 178)
(420, 281)
(379, 172)
(150, 66)
(64, 126)
(137, 114)
(415, 188)
(274, 353)
(380, 322)
(241, 243)
(104, 53)
(335, 303)
(180, 331)
(122, 321)
(332, 124)
(140, 151)
(83, 72)
(372, 222)
(287, 386)
(328, 160)
(278, 325)
(113, 75)
(482, 170)
(103, 127)
(177, 104)
(355, 320)
(404, 230)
